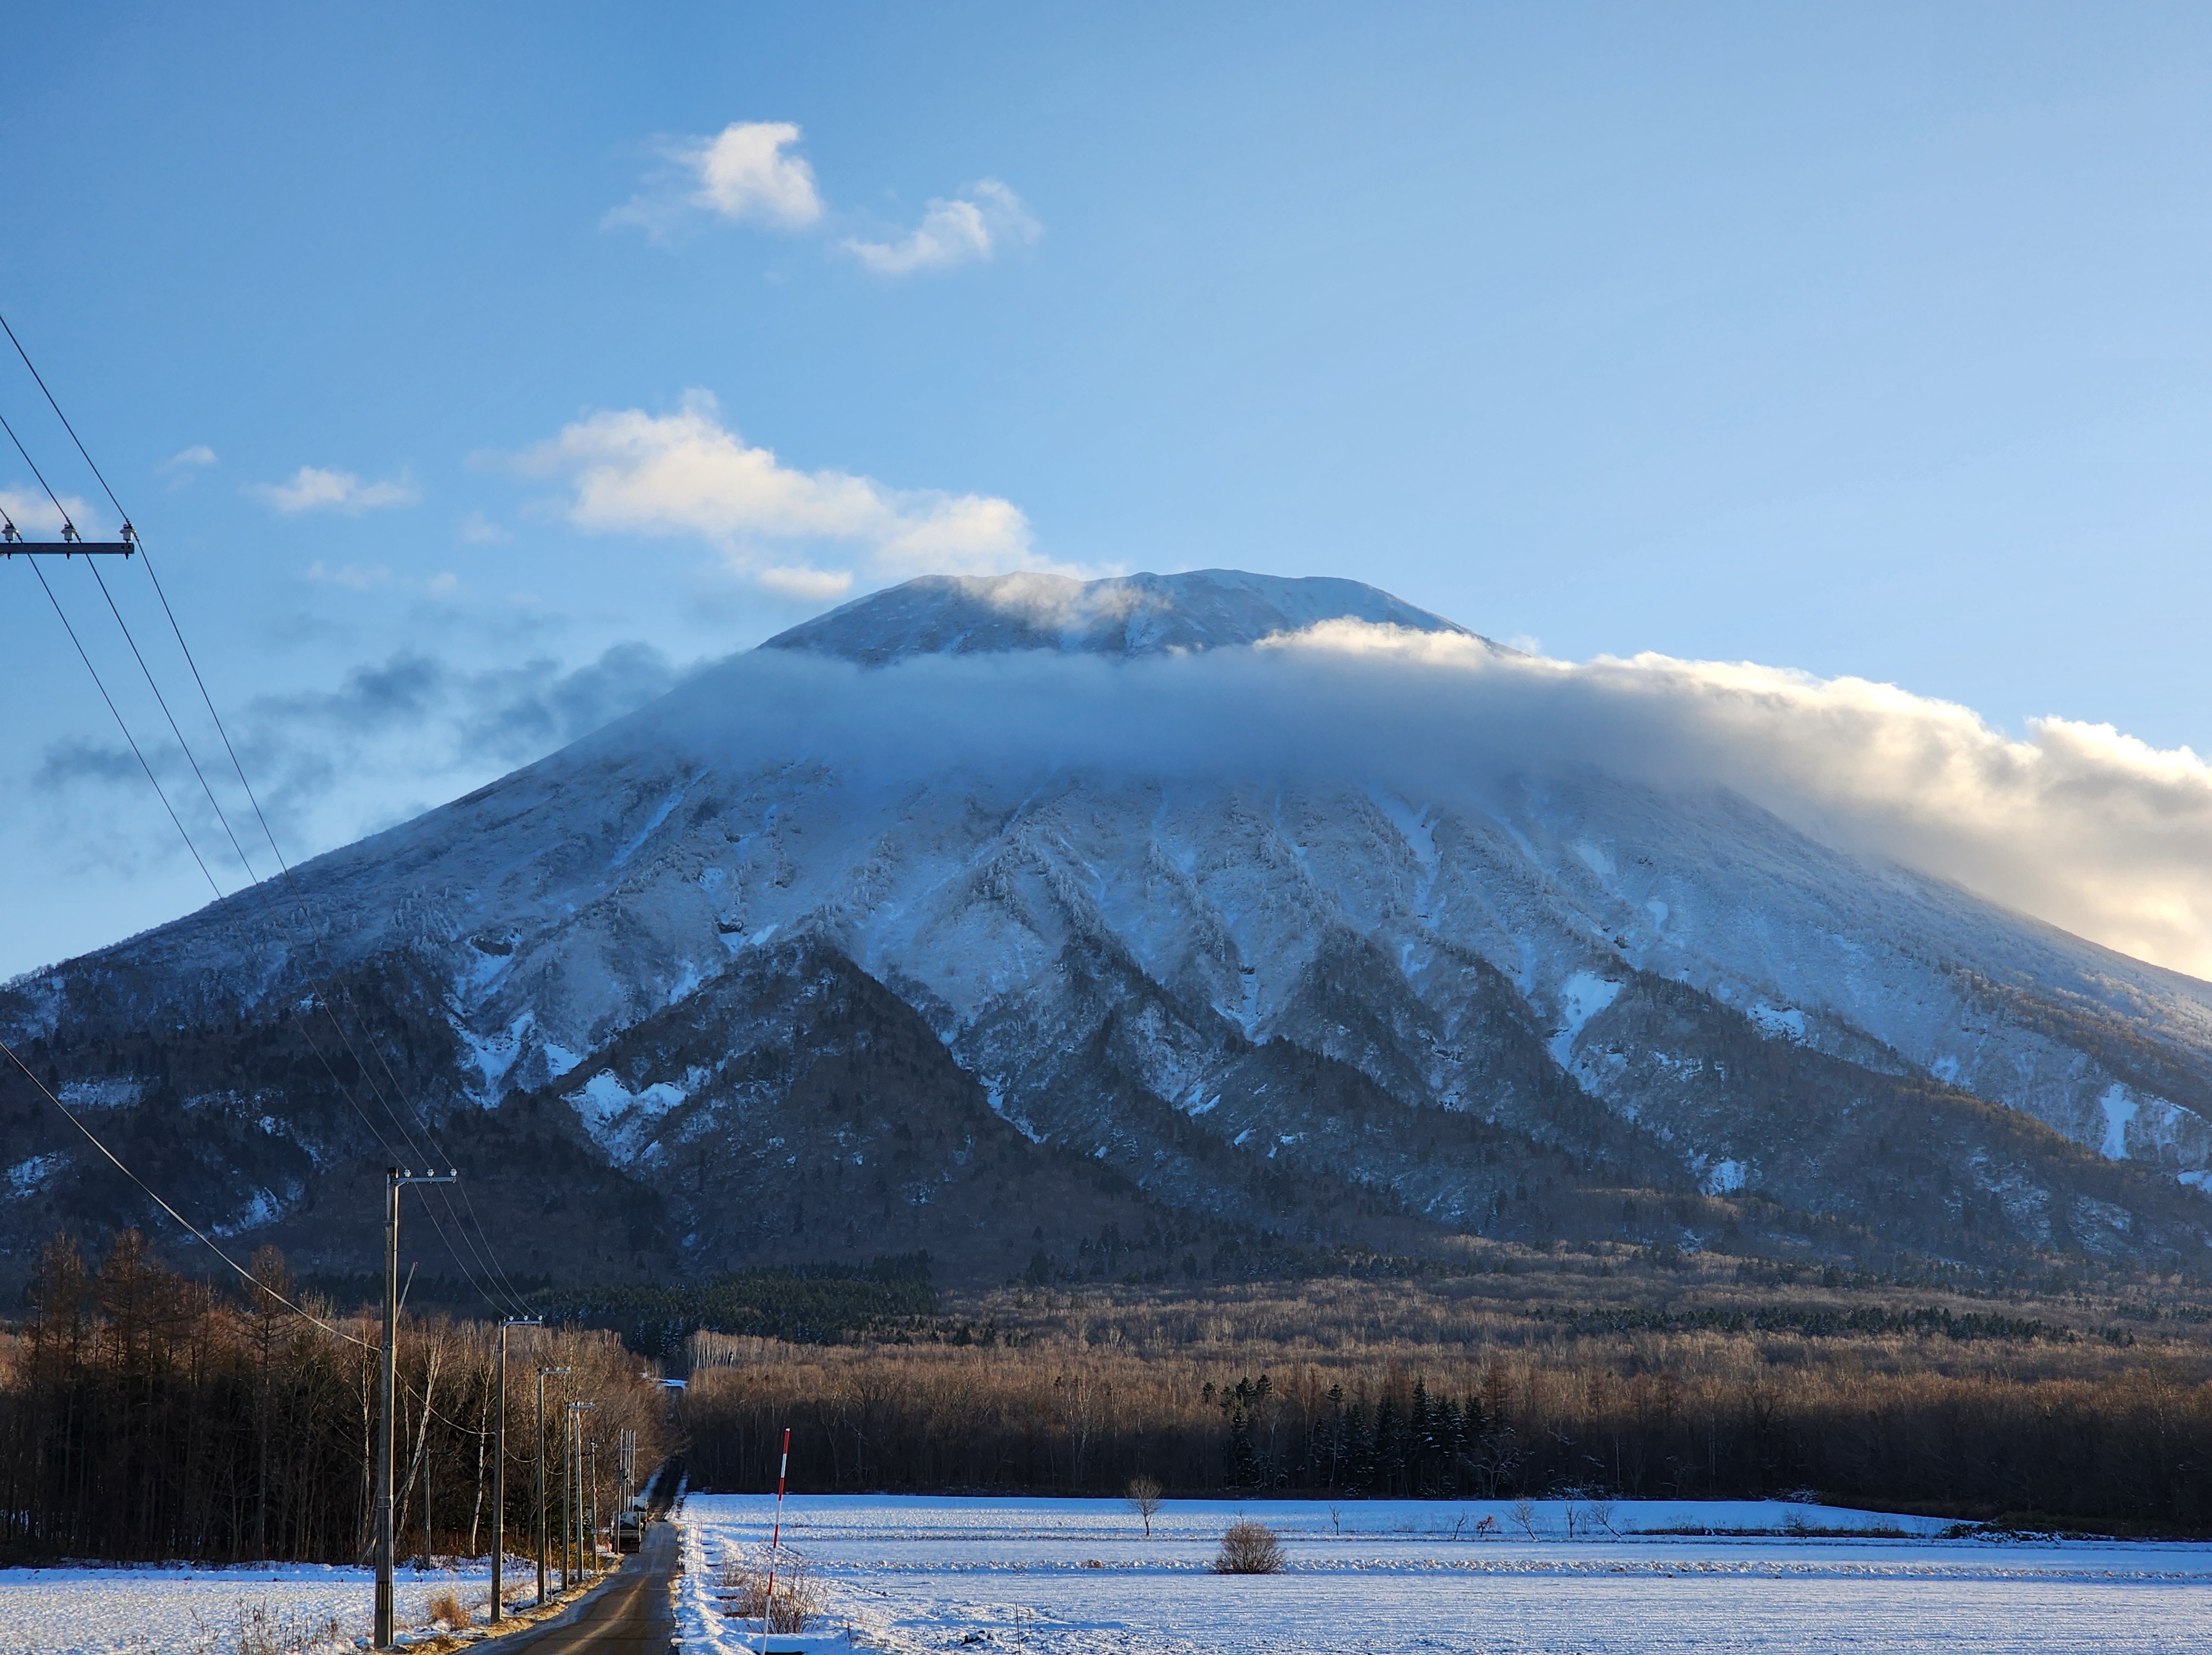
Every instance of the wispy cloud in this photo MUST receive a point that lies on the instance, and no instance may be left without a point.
(185, 464)
(480, 531)
(313, 488)
(980, 222)
(329, 765)
(741, 173)
(354, 577)
(806, 584)
(687, 473)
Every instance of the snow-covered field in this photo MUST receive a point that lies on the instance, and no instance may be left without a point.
(197, 1611)
(1079, 1578)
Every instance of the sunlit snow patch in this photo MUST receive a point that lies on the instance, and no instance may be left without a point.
(1777, 1022)
(494, 1055)
(263, 1208)
(1418, 828)
(616, 1118)
(27, 1176)
(997, 1099)
(1582, 997)
(2119, 1106)
(1727, 1177)
(659, 816)
(102, 1094)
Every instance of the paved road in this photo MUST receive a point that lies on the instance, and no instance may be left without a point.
(630, 1615)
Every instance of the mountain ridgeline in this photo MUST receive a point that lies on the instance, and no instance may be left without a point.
(1022, 921)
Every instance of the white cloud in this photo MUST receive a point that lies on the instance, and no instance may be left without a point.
(686, 473)
(2082, 827)
(480, 531)
(2090, 830)
(974, 226)
(741, 174)
(354, 577)
(33, 513)
(809, 585)
(443, 584)
(182, 465)
(313, 488)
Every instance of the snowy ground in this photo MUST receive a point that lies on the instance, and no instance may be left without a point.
(192, 1611)
(1079, 1578)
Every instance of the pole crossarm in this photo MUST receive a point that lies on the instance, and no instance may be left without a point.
(71, 543)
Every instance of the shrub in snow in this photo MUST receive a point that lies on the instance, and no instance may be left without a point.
(792, 1605)
(1250, 1548)
(266, 1629)
(446, 1606)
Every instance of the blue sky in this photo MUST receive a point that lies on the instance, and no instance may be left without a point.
(471, 375)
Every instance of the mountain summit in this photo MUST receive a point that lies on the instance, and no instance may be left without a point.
(1121, 929)
(1129, 615)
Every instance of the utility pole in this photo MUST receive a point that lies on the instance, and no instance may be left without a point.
(572, 1478)
(592, 1506)
(542, 1373)
(394, 1178)
(499, 1475)
(625, 1478)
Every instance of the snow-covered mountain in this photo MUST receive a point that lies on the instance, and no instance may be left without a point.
(1093, 928)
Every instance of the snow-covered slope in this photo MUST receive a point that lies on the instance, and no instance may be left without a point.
(1126, 616)
(1256, 979)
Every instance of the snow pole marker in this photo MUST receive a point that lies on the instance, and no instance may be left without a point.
(775, 1539)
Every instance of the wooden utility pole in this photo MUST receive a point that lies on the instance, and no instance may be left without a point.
(394, 1178)
(592, 1504)
(498, 1476)
(542, 1373)
(572, 1490)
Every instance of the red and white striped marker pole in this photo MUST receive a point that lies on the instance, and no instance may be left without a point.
(775, 1539)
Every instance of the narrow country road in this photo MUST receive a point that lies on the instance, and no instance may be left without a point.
(630, 1615)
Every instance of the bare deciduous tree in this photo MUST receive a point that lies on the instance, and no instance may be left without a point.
(1145, 1501)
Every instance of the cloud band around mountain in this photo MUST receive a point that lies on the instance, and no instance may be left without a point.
(2074, 823)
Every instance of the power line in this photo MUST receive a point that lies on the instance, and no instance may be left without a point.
(260, 889)
(487, 1257)
(64, 418)
(59, 508)
(221, 898)
(132, 740)
(255, 1282)
(93, 1139)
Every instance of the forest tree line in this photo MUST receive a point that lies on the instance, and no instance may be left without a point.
(2127, 1447)
(148, 1414)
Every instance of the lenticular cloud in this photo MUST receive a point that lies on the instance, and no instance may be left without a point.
(2076, 824)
